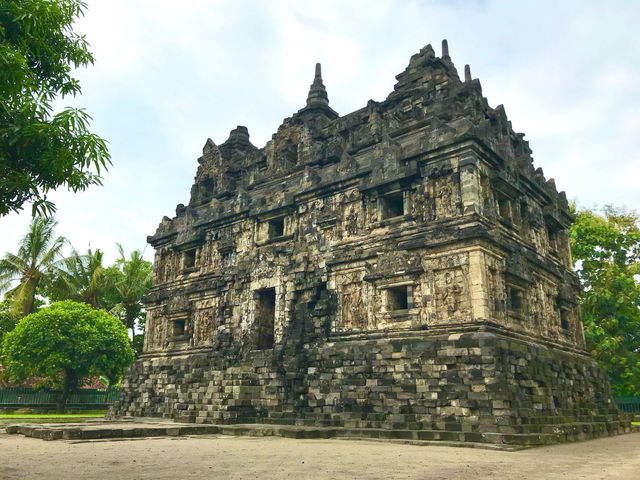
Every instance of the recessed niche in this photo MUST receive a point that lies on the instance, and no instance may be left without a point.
(504, 209)
(392, 205)
(265, 313)
(398, 298)
(564, 319)
(516, 300)
(276, 227)
(189, 258)
(177, 328)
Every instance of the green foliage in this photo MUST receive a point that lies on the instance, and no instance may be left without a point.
(137, 343)
(37, 261)
(40, 150)
(81, 278)
(66, 342)
(606, 249)
(130, 279)
(8, 320)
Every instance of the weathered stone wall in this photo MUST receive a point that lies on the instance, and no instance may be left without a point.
(401, 267)
(482, 381)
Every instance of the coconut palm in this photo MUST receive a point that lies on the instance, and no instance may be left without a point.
(37, 261)
(130, 281)
(81, 278)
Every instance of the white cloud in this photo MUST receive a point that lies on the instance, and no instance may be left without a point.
(168, 75)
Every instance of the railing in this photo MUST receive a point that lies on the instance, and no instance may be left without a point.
(629, 404)
(17, 397)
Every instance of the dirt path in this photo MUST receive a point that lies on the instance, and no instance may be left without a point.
(276, 458)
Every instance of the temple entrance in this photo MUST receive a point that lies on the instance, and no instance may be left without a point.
(265, 313)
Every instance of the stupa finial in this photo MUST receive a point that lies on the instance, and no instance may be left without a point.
(445, 50)
(467, 73)
(317, 93)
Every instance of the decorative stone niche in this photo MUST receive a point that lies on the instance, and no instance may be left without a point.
(189, 260)
(274, 229)
(515, 299)
(392, 205)
(398, 299)
(177, 328)
(564, 318)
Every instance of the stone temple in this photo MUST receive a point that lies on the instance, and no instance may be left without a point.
(402, 271)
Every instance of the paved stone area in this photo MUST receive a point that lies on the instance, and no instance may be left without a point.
(133, 428)
(227, 457)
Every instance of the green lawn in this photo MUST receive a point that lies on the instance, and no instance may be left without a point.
(48, 416)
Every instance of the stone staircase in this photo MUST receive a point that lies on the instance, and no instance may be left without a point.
(524, 436)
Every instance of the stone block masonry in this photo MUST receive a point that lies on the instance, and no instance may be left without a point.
(401, 268)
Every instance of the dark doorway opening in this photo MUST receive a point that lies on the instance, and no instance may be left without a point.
(397, 298)
(276, 227)
(392, 205)
(265, 314)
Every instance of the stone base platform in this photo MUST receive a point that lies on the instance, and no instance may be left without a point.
(131, 428)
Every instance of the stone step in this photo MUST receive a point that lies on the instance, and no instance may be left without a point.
(133, 429)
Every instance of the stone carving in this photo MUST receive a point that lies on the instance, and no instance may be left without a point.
(353, 314)
(449, 288)
(394, 263)
(203, 327)
(447, 202)
(154, 332)
(422, 204)
(351, 220)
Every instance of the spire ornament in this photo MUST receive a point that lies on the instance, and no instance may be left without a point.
(317, 93)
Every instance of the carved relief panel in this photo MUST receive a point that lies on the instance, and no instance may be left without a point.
(204, 322)
(352, 312)
(422, 204)
(155, 329)
(444, 289)
(446, 193)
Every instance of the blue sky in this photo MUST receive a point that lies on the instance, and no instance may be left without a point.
(168, 75)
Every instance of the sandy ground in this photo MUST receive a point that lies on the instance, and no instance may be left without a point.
(277, 458)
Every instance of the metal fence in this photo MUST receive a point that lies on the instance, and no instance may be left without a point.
(16, 397)
(629, 404)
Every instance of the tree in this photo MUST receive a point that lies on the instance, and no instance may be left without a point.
(64, 343)
(8, 320)
(40, 150)
(81, 278)
(130, 279)
(37, 260)
(606, 249)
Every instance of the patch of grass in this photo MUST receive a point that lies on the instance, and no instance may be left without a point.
(49, 416)
(635, 423)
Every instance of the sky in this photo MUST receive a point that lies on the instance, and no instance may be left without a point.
(168, 75)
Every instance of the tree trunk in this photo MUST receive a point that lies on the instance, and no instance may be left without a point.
(70, 383)
(130, 317)
(91, 299)
(30, 296)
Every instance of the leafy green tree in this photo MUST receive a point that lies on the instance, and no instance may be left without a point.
(37, 260)
(130, 280)
(64, 343)
(40, 150)
(606, 249)
(81, 278)
(8, 320)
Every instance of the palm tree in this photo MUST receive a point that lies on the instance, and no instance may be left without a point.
(81, 278)
(131, 281)
(37, 260)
